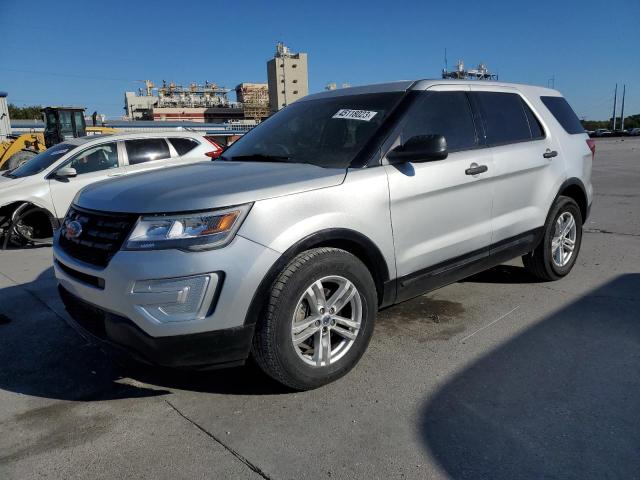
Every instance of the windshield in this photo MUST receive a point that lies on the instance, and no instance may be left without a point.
(41, 161)
(327, 132)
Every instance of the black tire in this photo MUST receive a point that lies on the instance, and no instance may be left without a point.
(273, 349)
(19, 158)
(539, 262)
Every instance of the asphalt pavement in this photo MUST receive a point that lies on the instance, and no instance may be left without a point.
(497, 376)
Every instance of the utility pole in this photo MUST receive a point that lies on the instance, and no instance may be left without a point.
(615, 99)
(624, 90)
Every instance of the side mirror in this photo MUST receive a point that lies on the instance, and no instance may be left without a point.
(421, 148)
(66, 172)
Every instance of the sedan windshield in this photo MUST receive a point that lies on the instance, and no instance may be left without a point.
(41, 161)
(328, 132)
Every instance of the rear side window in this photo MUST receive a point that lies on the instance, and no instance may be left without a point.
(443, 113)
(183, 145)
(564, 114)
(505, 120)
(146, 150)
(534, 124)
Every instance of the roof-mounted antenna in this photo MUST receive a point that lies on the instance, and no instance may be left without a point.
(446, 64)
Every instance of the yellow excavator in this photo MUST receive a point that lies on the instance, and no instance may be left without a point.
(60, 123)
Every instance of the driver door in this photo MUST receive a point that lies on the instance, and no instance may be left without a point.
(95, 163)
(440, 212)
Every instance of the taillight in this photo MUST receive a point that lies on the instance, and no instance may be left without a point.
(216, 152)
(592, 146)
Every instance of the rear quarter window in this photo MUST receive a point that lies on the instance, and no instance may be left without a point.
(564, 114)
(183, 145)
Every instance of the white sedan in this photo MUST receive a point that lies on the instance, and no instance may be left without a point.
(36, 195)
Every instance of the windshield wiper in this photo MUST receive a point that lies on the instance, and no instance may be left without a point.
(8, 174)
(261, 157)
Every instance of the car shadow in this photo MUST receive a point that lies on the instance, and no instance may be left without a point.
(42, 355)
(560, 400)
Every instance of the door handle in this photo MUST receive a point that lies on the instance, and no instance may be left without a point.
(116, 174)
(475, 169)
(550, 154)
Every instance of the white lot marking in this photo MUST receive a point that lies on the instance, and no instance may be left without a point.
(487, 326)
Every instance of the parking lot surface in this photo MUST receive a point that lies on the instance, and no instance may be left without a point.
(497, 376)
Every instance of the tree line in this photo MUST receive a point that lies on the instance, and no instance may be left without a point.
(32, 112)
(632, 121)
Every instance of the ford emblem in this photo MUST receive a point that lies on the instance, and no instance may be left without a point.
(73, 229)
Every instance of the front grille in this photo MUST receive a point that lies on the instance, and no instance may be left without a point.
(101, 236)
(83, 277)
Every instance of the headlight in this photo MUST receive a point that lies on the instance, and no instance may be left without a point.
(189, 231)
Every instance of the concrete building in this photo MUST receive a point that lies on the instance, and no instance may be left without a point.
(139, 107)
(288, 77)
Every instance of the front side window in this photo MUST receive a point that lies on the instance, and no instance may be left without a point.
(95, 159)
(505, 120)
(146, 150)
(328, 132)
(442, 113)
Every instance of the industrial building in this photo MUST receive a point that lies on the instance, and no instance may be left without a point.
(288, 81)
(254, 98)
(288, 77)
(202, 103)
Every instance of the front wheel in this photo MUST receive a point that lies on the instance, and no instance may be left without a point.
(318, 321)
(556, 254)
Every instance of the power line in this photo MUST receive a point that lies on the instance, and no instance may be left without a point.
(67, 75)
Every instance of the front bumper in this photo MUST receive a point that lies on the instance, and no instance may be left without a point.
(238, 268)
(228, 347)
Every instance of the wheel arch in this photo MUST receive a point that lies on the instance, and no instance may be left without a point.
(575, 189)
(9, 210)
(346, 239)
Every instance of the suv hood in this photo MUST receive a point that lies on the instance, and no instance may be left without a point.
(203, 186)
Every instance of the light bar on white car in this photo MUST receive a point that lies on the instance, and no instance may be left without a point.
(188, 231)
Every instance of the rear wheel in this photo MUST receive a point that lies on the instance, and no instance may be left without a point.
(318, 321)
(557, 252)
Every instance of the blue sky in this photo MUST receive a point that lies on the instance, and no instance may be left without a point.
(90, 53)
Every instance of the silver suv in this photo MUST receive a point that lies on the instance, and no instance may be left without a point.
(340, 204)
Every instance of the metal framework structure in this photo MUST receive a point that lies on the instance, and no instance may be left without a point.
(195, 95)
(460, 73)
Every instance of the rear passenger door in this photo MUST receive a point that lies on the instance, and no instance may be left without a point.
(441, 216)
(525, 167)
(147, 154)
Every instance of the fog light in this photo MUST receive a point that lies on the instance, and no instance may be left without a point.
(175, 299)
